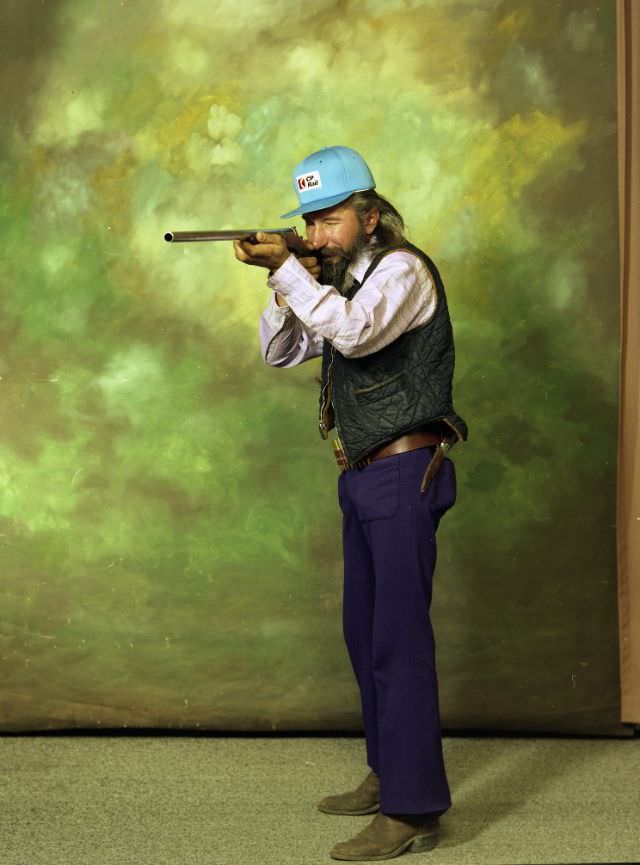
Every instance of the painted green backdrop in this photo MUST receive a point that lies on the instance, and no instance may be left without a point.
(169, 534)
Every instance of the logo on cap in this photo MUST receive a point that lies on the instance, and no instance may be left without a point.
(305, 182)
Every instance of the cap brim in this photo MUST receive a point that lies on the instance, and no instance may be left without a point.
(318, 204)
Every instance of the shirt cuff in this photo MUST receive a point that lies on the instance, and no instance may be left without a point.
(275, 316)
(289, 276)
(276, 308)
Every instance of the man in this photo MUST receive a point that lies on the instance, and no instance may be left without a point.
(374, 307)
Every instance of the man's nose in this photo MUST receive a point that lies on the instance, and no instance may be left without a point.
(317, 236)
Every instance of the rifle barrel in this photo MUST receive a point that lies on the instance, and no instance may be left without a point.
(241, 234)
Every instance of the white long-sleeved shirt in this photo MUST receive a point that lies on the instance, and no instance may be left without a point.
(398, 296)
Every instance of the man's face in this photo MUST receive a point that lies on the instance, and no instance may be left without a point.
(338, 235)
(333, 231)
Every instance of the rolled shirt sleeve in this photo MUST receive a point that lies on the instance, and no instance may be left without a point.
(284, 340)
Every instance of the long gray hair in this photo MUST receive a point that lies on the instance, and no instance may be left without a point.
(390, 228)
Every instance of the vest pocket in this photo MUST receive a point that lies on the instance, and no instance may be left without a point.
(381, 389)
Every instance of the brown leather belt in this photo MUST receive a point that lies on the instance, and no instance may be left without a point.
(409, 442)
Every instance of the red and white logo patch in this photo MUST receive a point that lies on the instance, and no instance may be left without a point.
(306, 182)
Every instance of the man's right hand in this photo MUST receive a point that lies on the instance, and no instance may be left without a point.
(312, 264)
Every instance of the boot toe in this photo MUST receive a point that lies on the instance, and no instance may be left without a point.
(365, 799)
(328, 805)
(335, 806)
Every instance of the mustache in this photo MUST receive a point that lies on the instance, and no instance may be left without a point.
(336, 254)
(332, 255)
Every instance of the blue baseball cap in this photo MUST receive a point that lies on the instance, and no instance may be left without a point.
(327, 177)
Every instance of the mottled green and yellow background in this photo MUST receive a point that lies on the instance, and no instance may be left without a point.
(169, 531)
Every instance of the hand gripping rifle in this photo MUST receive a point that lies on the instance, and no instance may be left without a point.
(291, 237)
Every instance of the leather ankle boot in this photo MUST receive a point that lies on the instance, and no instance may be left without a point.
(387, 837)
(365, 799)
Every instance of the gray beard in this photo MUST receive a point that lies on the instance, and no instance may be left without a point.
(334, 271)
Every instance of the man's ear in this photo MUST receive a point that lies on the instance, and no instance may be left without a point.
(371, 221)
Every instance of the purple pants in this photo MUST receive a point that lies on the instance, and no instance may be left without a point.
(389, 546)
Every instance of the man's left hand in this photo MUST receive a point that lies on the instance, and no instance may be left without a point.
(270, 251)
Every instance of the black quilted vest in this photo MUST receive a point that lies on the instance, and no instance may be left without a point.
(405, 386)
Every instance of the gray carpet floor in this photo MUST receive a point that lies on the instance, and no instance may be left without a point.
(69, 800)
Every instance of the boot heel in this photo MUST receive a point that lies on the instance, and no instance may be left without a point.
(423, 843)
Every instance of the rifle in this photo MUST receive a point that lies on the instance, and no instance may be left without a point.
(291, 237)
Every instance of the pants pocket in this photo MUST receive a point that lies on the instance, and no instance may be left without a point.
(377, 490)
